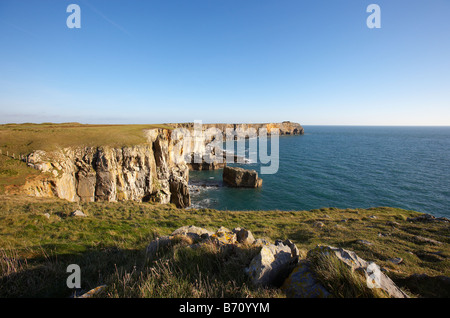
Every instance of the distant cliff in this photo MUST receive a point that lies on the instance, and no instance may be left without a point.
(156, 171)
(285, 128)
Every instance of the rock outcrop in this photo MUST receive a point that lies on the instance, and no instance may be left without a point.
(273, 263)
(242, 130)
(239, 177)
(233, 131)
(302, 281)
(144, 172)
(280, 264)
(155, 171)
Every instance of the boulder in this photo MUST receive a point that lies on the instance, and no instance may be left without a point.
(244, 236)
(194, 232)
(272, 265)
(239, 177)
(78, 213)
(374, 278)
(302, 283)
(396, 260)
(224, 236)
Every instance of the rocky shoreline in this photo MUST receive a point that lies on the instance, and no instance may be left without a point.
(156, 171)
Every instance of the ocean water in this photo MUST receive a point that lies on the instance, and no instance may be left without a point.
(344, 167)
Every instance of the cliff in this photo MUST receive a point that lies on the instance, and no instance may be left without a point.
(285, 128)
(156, 171)
(140, 173)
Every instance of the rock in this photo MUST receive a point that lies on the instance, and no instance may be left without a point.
(380, 280)
(302, 283)
(294, 250)
(392, 223)
(244, 236)
(318, 224)
(47, 215)
(224, 236)
(272, 265)
(364, 242)
(78, 213)
(396, 260)
(427, 218)
(421, 239)
(261, 242)
(180, 193)
(93, 292)
(194, 232)
(150, 171)
(239, 177)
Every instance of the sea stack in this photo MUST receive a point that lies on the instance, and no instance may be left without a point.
(239, 177)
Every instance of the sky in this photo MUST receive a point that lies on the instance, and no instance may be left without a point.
(315, 62)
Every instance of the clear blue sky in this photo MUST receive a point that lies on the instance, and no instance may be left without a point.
(313, 62)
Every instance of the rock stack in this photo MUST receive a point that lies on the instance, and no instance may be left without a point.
(239, 177)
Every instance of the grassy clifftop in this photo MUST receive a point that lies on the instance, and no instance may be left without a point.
(39, 239)
(24, 138)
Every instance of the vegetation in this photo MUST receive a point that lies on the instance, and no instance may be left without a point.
(110, 247)
(24, 138)
(39, 238)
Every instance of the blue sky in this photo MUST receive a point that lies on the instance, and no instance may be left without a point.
(313, 62)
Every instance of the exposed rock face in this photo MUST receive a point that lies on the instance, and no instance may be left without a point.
(302, 283)
(241, 130)
(155, 171)
(233, 131)
(375, 278)
(273, 264)
(145, 172)
(239, 177)
(280, 264)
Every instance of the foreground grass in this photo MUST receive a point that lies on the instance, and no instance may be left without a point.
(109, 245)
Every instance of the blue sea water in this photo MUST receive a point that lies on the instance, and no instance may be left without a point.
(344, 167)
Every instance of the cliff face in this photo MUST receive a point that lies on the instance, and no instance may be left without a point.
(156, 171)
(285, 128)
(239, 131)
(141, 173)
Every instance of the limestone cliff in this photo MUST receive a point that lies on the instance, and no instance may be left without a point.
(239, 131)
(285, 128)
(156, 171)
(141, 173)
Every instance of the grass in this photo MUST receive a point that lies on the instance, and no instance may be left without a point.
(13, 174)
(109, 245)
(340, 280)
(24, 138)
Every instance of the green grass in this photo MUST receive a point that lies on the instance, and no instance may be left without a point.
(14, 173)
(24, 138)
(109, 245)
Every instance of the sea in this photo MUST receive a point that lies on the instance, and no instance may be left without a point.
(343, 167)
